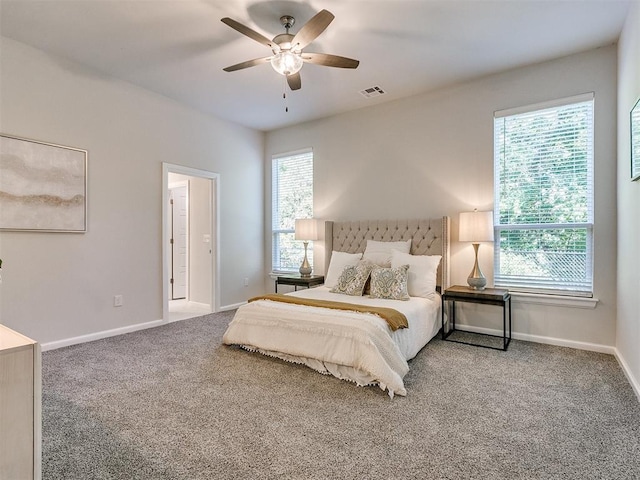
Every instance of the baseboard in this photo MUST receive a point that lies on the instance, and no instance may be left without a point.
(234, 306)
(100, 335)
(201, 306)
(635, 385)
(116, 331)
(593, 347)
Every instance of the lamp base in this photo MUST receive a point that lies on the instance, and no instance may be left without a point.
(305, 272)
(305, 268)
(477, 283)
(476, 279)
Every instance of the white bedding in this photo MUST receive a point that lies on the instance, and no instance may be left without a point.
(353, 346)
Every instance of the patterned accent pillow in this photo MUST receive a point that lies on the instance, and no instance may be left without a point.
(353, 278)
(390, 283)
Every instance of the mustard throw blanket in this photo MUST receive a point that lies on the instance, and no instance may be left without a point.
(394, 318)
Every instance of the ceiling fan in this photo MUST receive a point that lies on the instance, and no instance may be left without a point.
(288, 57)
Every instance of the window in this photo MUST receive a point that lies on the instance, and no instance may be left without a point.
(292, 197)
(543, 217)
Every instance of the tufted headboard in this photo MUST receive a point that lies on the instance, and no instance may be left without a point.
(429, 237)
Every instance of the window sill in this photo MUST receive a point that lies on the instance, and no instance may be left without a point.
(555, 300)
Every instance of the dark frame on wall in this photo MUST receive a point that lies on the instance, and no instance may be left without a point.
(635, 140)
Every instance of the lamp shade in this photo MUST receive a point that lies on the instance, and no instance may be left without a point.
(306, 229)
(476, 227)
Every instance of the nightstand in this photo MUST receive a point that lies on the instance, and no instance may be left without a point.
(299, 281)
(488, 296)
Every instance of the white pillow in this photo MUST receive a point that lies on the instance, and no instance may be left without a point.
(380, 252)
(423, 270)
(339, 260)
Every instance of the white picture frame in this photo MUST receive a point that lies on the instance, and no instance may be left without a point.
(43, 186)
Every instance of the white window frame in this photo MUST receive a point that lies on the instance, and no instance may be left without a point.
(276, 230)
(537, 286)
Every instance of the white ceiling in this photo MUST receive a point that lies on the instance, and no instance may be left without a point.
(178, 48)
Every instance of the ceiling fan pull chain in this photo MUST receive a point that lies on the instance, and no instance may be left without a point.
(284, 95)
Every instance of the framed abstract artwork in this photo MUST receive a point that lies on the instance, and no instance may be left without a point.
(43, 186)
(635, 141)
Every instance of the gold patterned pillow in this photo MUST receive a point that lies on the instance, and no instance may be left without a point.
(353, 279)
(390, 283)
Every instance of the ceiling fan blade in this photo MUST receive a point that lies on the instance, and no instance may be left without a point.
(330, 60)
(243, 29)
(294, 81)
(247, 64)
(310, 30)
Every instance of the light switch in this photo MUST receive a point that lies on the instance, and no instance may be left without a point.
(206, 238)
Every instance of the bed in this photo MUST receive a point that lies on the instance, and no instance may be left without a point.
(357, 346)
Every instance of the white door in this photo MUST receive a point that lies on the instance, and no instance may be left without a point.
(179, 241)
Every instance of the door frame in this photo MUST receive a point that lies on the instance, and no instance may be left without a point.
(168, 168)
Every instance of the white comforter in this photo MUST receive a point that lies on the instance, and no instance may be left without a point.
(354, 346)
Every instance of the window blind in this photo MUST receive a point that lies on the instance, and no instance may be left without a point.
(544, 198)
(292, 197)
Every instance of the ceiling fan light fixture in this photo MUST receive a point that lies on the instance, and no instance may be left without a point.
(287, 62)
(287, 59)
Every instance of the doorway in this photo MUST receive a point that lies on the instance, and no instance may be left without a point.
(178, 238)
(190, 243)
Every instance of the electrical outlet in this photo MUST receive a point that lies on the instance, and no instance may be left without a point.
(246, 281)
(118, 301)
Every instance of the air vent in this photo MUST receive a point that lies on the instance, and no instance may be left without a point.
(372, 92)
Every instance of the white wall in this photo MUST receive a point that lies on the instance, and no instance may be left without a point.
(59, 286)
(628, 332)
(432, 155)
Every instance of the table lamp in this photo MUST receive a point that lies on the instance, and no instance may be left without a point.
(476, 227)
(306, 230)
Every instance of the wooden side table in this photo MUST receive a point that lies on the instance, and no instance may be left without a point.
(488, 296)
(299, 281)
